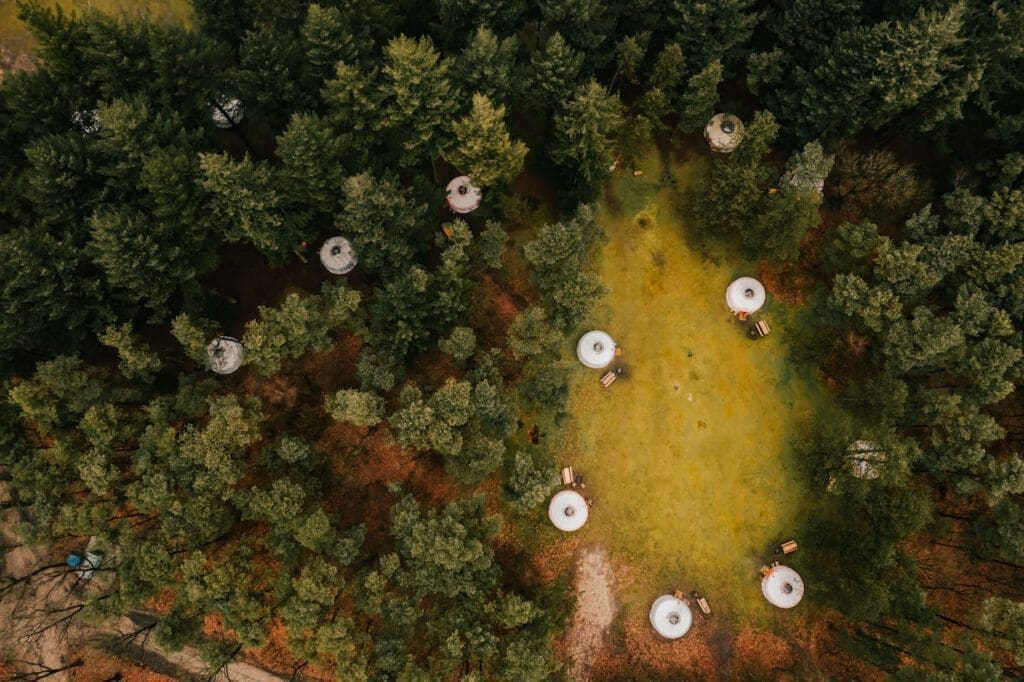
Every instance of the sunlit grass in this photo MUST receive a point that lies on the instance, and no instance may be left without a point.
(15, 37)
(688, 458)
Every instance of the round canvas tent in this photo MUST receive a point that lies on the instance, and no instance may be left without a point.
(745, 295)
(671, 617)
(225, 354)
(568, 510)
(866, 459)
(338, 256)
(723, 133)
(86, 120)
(783, 587)
(595, 349)
(228, 112)
(461, 195)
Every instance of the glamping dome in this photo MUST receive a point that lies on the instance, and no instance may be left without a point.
(228, 112)
(568, 510)
(338, 256)
(88, 121)
(461, 195)
(745, 295)
(723, 133)
(595, 349)
(866, 459)
(225, 354)
(782, 587)
(671, 617)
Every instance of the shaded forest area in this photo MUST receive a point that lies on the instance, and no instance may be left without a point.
(339, 501)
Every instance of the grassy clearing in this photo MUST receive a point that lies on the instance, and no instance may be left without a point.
(688, 458)
(15, 38)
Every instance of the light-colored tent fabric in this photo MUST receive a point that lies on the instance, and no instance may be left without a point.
(783, 587)
(671, 617)
(568, 511)
(745, 295)
(225, 354)
(595, 349)
(338, 256)
(462, 196)
(866, 459)
(228, 112)
(723, 133)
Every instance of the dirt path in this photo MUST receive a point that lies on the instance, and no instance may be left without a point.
(595, 610)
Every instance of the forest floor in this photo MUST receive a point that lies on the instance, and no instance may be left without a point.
(688, 457)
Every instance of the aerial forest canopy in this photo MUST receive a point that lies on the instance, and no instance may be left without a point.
(358, 496)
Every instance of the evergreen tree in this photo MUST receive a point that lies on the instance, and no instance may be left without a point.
(487, 66)
(697, 103)
(483, 148)
(586, 134)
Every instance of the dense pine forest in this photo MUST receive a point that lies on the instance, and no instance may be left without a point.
(362, 499)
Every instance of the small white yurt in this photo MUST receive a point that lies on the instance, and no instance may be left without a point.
(568, 511)
(782, 587)
(86, 120)
(225, 354)
(723, 133)
(229, 112)
(671, 617)
(595, 349)
(462, 196)
(745, 295)
(338, 256)
(866, 458)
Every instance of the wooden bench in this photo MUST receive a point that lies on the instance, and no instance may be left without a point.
(608, 379)
(568, 477)
(787, 547)
(762, 328)
(448, 231)
(702, 603)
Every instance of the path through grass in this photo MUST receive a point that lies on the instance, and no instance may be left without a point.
(688, 458)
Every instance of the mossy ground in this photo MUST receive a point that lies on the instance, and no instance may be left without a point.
(689, 457)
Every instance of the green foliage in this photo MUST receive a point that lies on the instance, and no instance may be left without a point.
(528, 485)
(586, 132)
(419, 98)
(552, 73)
(137, 360)
(483, 148)
(486, 66)
(380, 218)
(697, 103)
(355, 407)
(459, 345)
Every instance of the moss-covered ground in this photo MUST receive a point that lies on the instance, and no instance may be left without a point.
(689, 456)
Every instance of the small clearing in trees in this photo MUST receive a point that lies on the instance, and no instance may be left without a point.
(595, 610)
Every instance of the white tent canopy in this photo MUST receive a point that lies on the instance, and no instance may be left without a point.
(595, 349)
(671, 617)
(225, 354)
(461, 195)
(568, 510)
(866, 458)
(338, 256)
(228, 112)
(86, 120)
(723, 132)
(745, 295)
(783, 587)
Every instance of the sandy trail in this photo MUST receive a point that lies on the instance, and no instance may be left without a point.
(595, 611)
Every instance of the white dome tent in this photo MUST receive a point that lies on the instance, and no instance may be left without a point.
(782, 587)
(866, 458)
(228, 112)
(338, 256)
(462, 196)
(595, 349)
(671, 617)
(723, 133)
(86, 120)
(745, 295)
(568, 511)
(225, 354)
